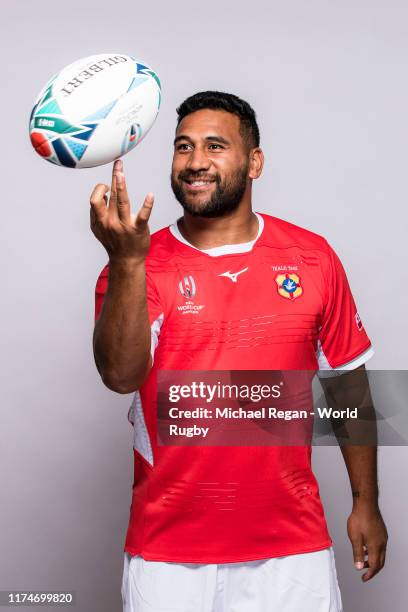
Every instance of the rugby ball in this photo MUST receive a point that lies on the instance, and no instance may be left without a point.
(95, 110)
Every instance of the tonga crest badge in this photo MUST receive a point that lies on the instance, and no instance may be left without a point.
(289, 286)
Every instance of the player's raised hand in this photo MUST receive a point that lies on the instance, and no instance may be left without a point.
(124, 235)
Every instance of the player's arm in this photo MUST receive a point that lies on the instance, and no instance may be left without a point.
(122, 336)
(365, 526)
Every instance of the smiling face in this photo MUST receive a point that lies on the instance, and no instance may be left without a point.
(211, 162)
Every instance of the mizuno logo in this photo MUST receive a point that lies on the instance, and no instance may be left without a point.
(233, 276)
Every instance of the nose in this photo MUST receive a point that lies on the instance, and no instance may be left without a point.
(198, 160)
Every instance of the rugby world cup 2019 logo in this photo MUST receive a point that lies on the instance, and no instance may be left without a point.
(289, 286)
(188, 290)
(132, 137)
(187, 287)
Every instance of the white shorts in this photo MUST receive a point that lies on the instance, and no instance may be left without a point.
(296, 583)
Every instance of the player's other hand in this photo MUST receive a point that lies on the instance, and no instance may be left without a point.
(368, 536)
(125, 236)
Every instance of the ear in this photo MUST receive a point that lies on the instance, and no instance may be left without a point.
(256, 162)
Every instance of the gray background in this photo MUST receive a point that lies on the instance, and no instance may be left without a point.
(328, 81)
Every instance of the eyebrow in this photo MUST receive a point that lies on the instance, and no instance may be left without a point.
(218, 139)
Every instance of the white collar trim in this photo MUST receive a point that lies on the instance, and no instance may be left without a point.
(225, 249)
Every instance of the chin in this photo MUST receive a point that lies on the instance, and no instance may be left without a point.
(199, 211)
(195, 203)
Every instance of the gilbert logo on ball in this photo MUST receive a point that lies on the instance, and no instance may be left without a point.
(95, 110)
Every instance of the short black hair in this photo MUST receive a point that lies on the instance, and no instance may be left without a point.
(218, 100)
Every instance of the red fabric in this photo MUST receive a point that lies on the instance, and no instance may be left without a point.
(153, 298)
(226, 504)
(342, 339)
(100, 290)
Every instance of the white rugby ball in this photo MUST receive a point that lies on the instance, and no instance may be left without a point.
(95, 110)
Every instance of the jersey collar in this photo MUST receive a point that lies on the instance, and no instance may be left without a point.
(225, 249)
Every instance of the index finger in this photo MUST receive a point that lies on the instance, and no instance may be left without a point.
(119, 191)
(117, 166)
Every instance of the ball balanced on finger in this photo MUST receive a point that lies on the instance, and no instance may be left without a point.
(94, 110)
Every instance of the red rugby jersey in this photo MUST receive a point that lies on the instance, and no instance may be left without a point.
(279, 302)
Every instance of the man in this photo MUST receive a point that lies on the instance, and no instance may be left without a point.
(216, 529)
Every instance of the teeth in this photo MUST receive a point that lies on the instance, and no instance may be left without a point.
(200, 183)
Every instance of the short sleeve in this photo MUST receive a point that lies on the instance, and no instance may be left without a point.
(100, 290)
(156, 312)
(154, 304)
(343, 343)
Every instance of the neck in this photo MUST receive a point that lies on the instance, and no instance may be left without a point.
(239, 226)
